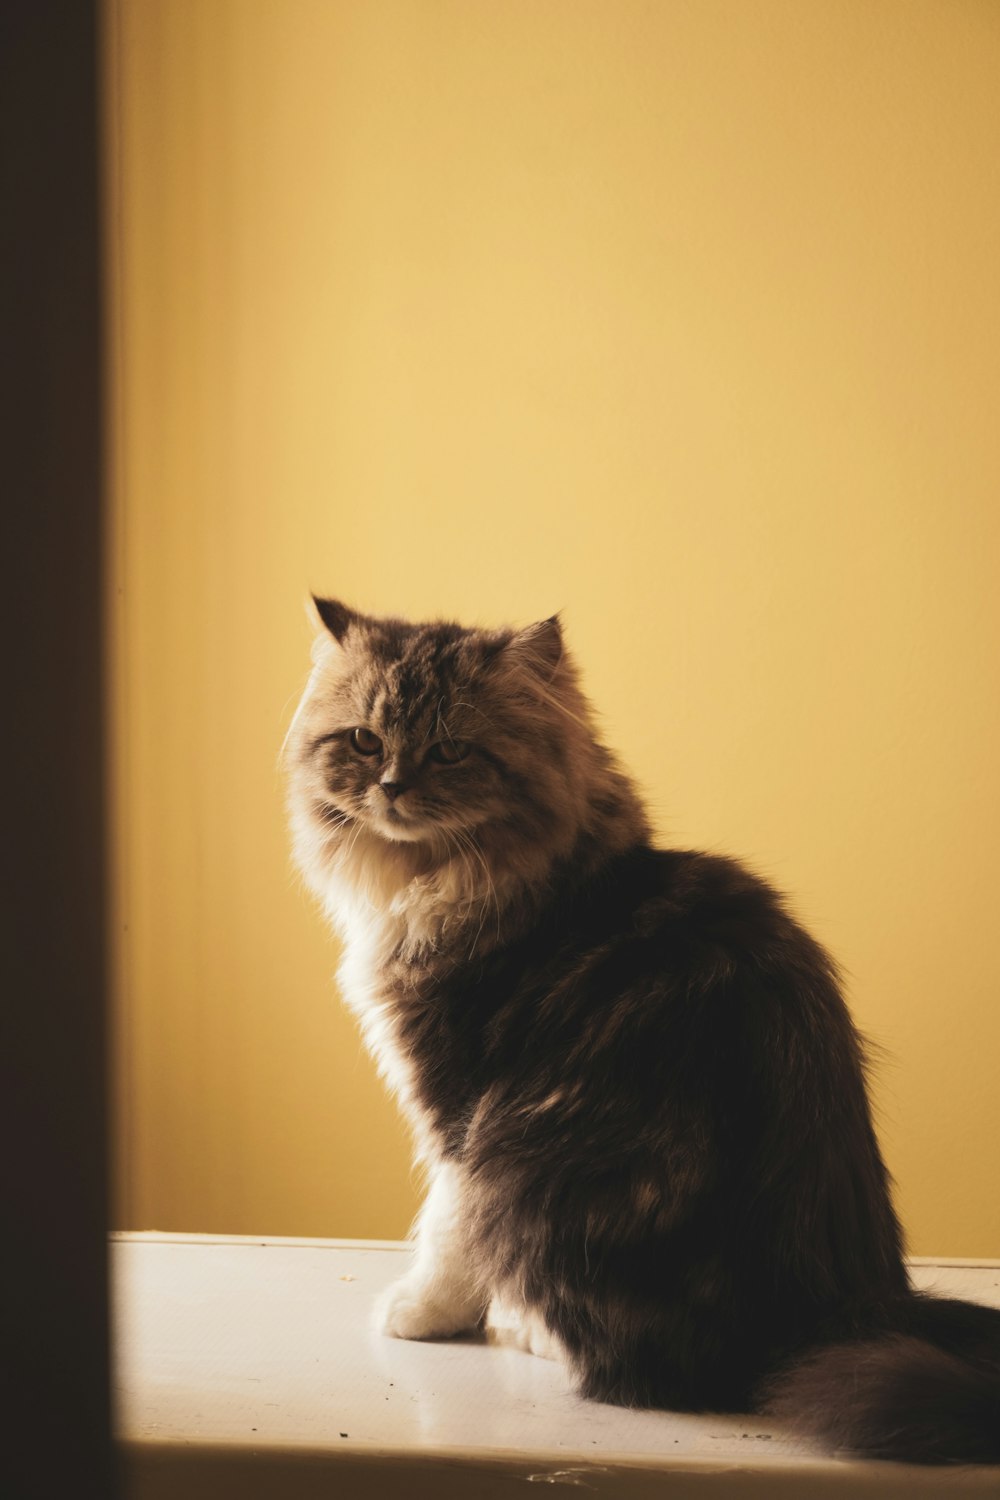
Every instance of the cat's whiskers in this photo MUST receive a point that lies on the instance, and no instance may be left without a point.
(466, 836)
(557, 703)
(492, 892)
(456, 845)
(303, 702)
(474, 708)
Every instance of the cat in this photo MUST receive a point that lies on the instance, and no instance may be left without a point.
(630, 1074)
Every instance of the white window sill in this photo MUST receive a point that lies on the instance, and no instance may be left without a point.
(246, 1369)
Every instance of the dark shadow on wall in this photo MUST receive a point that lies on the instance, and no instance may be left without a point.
(54, 1346)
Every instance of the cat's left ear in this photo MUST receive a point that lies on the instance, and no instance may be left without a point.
(337, 618)
(539, 646)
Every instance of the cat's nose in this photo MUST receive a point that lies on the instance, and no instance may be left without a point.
(392, 789)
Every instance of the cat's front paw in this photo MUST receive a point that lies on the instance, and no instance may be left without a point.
(523, 1330)
(412, 1309)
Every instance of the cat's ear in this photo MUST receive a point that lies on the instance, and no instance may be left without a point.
(337, 618)
(539, 646)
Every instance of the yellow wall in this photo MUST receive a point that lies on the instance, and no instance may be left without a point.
(680, 317)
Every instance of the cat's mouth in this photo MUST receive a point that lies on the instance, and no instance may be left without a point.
(395, 823)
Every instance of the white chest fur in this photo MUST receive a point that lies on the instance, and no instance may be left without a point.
(368, 937)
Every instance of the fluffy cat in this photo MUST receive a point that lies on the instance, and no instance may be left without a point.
(630, 1074)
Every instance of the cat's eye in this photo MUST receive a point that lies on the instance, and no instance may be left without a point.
(448, 752)
(365, 742)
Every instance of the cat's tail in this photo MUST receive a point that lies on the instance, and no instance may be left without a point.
(926, 1391)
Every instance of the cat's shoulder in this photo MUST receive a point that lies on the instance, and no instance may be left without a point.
(691, 897)
(695, 882)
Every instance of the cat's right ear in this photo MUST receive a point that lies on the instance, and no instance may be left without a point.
(539, 647)
(336, 617)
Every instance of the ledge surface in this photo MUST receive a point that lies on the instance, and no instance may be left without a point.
(248, 1367)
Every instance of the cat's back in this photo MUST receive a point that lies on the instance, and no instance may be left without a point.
(684, 1056)
(683, 922)
(672, 973)
(709, 965)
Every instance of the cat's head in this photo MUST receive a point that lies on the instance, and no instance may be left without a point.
(425, 733)
(447, 752)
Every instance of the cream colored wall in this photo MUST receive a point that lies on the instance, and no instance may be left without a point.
(679, 317)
